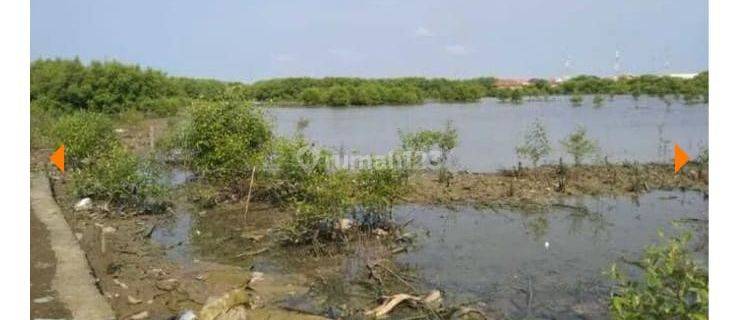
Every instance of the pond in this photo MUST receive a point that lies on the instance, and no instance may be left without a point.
(489, 131)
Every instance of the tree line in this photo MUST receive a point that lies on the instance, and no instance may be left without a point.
(110, 86)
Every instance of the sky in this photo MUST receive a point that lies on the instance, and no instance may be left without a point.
(254, 40)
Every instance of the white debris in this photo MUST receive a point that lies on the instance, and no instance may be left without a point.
(546, 245)
(344, 224)
(83, 205)
(120, 130)
(120, 283)
(46, 299)
(187, 315)
(256, 276)
(218, 308)
(133, 300)
(380, 232)
(140, 316)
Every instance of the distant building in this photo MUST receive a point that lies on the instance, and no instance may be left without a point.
(683, 75)
(511, 83)
(557, 80)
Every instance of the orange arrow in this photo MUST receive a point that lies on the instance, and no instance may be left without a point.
(680, 158)
(57, 158)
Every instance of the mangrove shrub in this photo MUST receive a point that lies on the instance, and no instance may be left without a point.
(672, 285)
(579, 146)
(85, 136)
(536, 145)
(224, 140)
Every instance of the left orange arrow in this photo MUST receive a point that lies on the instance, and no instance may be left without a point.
(57, 158)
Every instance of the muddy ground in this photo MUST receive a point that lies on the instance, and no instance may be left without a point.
(545, 184)
(140, 275)
(144, 278)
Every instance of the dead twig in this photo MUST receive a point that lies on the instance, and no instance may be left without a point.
(248, 196)
(252, 253)
(399, 277)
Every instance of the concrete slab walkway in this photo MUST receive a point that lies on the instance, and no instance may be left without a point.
(72, 281)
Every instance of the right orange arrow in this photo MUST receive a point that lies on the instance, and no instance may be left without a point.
(680, 158)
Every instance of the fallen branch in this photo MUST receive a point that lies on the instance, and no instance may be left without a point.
(390, 304)
(395, 300)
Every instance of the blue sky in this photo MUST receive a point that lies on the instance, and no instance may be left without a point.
(251, 40)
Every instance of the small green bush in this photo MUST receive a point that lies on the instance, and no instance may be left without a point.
(378, 188)
(163, 107)
(598, 100)
(294, 163)
(579, 146)
(85, 135)
(672, 286)
(325, 199)
(42, 125)
(121, 178)
(321, 194)
(425, 141)
(536, 145)
(224, 140)
(576, 100)
(516, 97)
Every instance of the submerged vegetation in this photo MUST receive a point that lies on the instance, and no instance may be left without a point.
(113, 87)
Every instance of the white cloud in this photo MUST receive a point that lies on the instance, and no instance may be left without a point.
(457, 50)
(422, 32)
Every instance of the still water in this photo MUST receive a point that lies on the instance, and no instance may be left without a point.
(497, 260)
(489, 131)
(501, 258)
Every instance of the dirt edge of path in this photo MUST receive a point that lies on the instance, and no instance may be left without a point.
(73, 279)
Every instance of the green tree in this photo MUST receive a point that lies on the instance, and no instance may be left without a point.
(338, 96)
(312, 96)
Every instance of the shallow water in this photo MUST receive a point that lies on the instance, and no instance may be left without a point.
(495, 258)
(631, 130)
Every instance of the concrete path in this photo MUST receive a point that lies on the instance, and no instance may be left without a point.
(72, 281)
